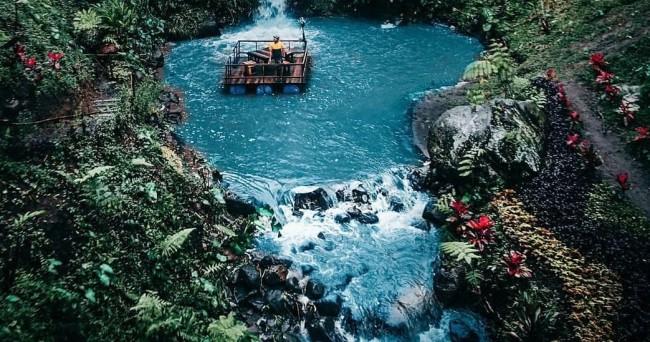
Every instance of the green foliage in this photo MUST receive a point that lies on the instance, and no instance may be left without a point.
(470, 162)
(461, 251)
(86, 21)
(227, 329)
(173, 242)
(474, 278)
(614, 213)
(534, 317)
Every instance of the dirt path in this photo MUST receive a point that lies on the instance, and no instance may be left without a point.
(610, 147)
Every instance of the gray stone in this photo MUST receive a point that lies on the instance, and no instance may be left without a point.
(367, 218)
(510, 132)
(311, 198)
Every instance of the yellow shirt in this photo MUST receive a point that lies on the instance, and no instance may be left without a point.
(276, 46)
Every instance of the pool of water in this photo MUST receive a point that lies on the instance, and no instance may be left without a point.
(350, 128)
(352, 119)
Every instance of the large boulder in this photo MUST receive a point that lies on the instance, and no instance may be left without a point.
(311, 198)
(509, 132)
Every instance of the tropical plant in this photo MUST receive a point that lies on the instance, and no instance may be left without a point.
(481, 232)
(461, 251)
(226, 329)
(173, 242)
(514, 262)
(469, 162)
(534, 320)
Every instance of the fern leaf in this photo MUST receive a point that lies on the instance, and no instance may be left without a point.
(216, 268)
(92, 173)
(227, 329)
(479, 69)
(461, 250)
(173, 242)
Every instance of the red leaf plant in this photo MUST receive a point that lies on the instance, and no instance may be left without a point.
(604, 77)
(20, 52)
(561, 93)
(622, 179)
(460, 211)
(54, 58)
(589, 153)
(612, 91)
(514, 262)
(642, 133)
(30, 63)
(627, 111)
(572, 140)
(550, 74)
(481, 232)
(597, 61)
(575, 117)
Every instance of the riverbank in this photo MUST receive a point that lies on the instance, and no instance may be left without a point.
(577, 211)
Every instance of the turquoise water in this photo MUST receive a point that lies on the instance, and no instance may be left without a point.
(350, 128)
(352, 120)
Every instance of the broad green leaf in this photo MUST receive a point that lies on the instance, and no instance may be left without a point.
(106, 269)
(90, 295)
(225, 230)
(216, 192)
(104, 279)
(140, 161)
(264, 212)
(92, 173)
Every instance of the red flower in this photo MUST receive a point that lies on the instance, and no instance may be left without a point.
(483, 222)
(54, 58)
(20, 52)
(563, 98)
(574, 116)
(604, 77)
(550, 74)
(30, 63)
(597, 60)
(560, 88)
(514, 262)
(612, 91)
(572, 139)
(642, 133)
(628, 113)
(459, 207)
(621, 178)
(482, 232)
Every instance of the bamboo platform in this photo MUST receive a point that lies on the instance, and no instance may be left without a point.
(249, 68)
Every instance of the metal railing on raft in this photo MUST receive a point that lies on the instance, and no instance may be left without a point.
(267, 70)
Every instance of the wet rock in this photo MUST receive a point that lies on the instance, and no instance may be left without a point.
(342, 218)
(459, 331)
(433, 214)
(306, 269)
(323, 330)
(314, 289)
(276, 301)
(368, 218)
(329, 305)
(311, 198)
(307, 246)
(346, 281)
(418, 178)
(412, 310)
(268, 260)
(174, 109)
(238, 207)
(340, 195)
(248, 277)
(447, 284)
(396, 204)
(384, 192)
(298, 213)
(275, 275)
(293, 285)
(242, 294)
(353, 212)
(321, 236)
(360, 195)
